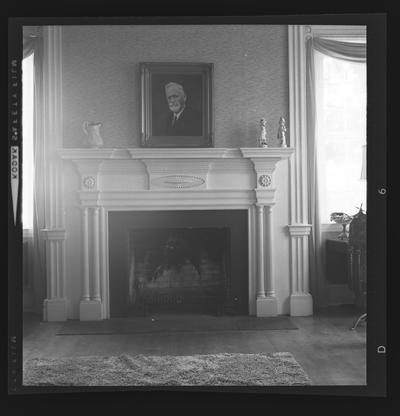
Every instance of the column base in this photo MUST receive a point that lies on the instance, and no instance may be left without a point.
(55, 310)
(90, 310)
(267, 306)
(301, 304)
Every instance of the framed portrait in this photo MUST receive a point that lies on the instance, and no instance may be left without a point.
(176, 104)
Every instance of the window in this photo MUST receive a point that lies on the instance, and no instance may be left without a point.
(340, 134)
(27, 142)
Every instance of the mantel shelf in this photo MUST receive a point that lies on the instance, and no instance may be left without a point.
(177, 153)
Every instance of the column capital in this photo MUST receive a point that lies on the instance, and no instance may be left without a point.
(53, 233)
(299, 230)
(264, 205)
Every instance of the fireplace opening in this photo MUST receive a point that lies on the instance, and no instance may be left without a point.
(178, 269)
(178, 262)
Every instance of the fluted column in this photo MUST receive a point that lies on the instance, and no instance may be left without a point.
(49, 281)
(58, 269)
(85, 239)
(270, 272)
(266, 302)
(96, 257)
(252, 256)
(104, 261)
(91, 306)
(53, 276)
(261, 258)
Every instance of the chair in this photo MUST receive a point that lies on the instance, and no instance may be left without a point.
(358, 246)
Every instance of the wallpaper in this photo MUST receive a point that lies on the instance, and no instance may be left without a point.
(101, 80)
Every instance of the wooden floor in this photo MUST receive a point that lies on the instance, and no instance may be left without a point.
(324, 345)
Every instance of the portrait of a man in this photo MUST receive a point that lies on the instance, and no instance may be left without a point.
(181, 120)
(177, 108)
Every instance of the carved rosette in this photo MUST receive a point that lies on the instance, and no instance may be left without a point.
(89, 182)
(264, 180)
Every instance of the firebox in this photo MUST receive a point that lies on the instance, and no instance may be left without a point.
(178, 262)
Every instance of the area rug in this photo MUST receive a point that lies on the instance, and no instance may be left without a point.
(273, 369)
(167, 323)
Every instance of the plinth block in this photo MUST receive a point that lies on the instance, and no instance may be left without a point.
(90, 310)
(301, 304)
(267, 306)
(55, 310)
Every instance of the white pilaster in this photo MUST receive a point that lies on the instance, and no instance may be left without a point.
(301, 303)
(52, 268)
(55, 304)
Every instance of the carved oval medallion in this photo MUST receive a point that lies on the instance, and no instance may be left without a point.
(178, 181)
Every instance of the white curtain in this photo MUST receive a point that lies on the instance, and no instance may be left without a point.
(349, 51)
(33, 43)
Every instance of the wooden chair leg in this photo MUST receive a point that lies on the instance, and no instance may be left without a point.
(363, 317)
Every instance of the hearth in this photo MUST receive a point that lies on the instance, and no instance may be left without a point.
(178, 262)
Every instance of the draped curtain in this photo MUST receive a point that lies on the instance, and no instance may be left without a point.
(349, 51)
(33, 43)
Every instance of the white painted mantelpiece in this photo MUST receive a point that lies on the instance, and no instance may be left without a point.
(175, 179)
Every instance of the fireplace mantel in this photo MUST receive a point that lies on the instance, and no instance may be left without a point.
(123, 177)
(176, 153)
(140, 179)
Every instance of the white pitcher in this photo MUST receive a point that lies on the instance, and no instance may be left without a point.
(92, 130)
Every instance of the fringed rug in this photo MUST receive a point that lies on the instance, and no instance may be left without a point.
(274, 369)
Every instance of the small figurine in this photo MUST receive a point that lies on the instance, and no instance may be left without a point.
(263, 135)
(282, 132)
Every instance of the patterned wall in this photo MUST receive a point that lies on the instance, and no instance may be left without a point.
(101, 80)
